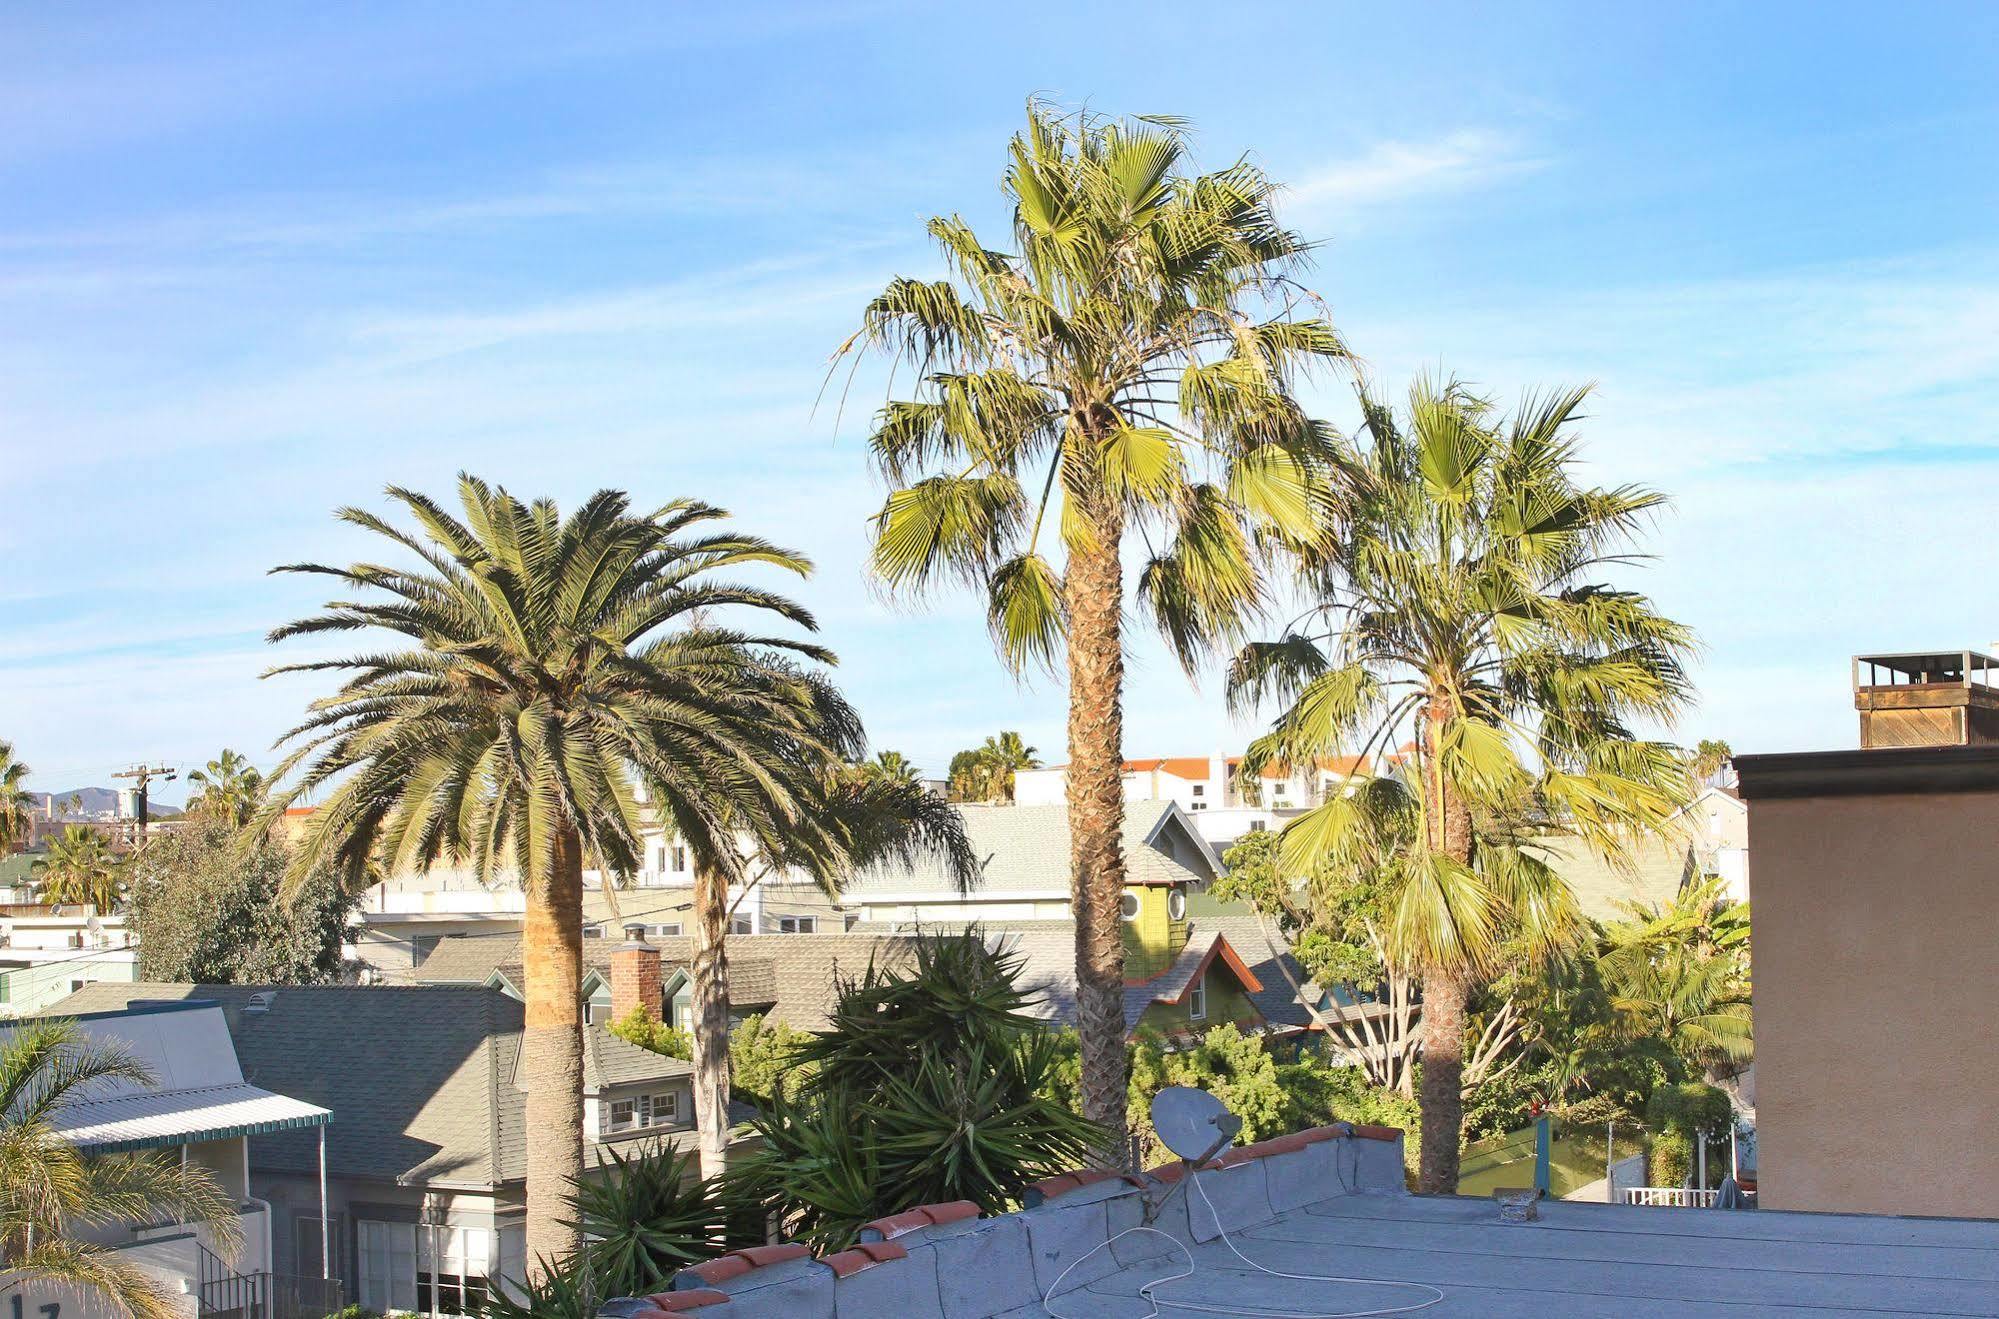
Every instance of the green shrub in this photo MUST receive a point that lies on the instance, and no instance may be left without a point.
(641, 1027)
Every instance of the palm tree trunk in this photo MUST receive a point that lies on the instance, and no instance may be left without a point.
(1094, 592)
(1440, 1098)
(1446, 989)
(710, 1026)
(552, 946)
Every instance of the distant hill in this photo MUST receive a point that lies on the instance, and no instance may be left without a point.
(97, 800)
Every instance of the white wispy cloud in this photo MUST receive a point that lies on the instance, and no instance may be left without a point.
(1400, 170)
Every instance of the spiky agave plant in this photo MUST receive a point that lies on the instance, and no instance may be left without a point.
(1124, 365)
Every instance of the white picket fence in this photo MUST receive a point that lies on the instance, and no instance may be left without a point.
(1669, 1197)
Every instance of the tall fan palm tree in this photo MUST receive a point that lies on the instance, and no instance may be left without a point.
(1458, 609)
(15, 821)
(548, 667)
(49, 1188)
(1126, 367)
(231, 789)
(80, 867)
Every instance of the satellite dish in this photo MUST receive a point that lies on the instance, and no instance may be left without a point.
(1193, 1123)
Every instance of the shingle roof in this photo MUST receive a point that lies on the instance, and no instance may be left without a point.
(1658, 868)
(791, 975)
(1026, 848)
(1047, 951)
(420, 1079)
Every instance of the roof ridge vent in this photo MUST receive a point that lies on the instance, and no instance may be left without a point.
(260, 1002)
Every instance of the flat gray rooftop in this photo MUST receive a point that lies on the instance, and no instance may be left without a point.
(1578, 1259)
(1332, 1201)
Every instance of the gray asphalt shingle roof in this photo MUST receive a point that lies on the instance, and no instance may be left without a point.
(420, 1079)
(1026, 848)
(790, 975)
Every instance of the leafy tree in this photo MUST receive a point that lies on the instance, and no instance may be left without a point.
(55, 1198)
(763, 1058)
(550, 667)
(1127, 365)
(16, 822)
(80, 867)
(931, 1085)
(641, 1027)
(1457, 609)
(232, 789)
(210, 907)
(1678, 1115)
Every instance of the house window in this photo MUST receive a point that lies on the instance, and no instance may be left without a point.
(1197, 805)
(593, 931)
(305, 1246)
(1197, 1001)
(1257, 826)
(1200, 789)
(645, 1111)
(452, 1264)
(1176, 905)
(679, 858)
(740, 925)
(670, 930)
(388, 1265)
(798, 925)
(1127, 906)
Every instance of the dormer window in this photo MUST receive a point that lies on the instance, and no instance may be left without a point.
(642, 1112)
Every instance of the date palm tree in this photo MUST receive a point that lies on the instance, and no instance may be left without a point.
(1460, 609)
(49, 1189)
(80, 867)
(15, 821)
(1126, 367)
(544, 669)
(231, 789)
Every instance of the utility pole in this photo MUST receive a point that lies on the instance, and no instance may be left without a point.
(145, 774)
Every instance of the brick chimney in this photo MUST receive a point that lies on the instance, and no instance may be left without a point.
(635, 978)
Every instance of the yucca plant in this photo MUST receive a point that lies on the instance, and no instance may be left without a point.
(1123, 365)
(932, 1084)
(1460, 614)
(646, 1214)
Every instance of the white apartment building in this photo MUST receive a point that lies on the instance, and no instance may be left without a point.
(1205, 787)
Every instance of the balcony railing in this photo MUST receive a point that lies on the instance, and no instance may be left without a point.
(1670, 1197)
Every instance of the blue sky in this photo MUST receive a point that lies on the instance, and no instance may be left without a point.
(258, 261)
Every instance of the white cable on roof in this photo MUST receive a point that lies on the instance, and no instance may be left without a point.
(1047, 1303)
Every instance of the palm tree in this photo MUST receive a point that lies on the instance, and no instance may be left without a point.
(1682, 975)
(549, 664)
(231, 789)
(80, 867)
(891, 765)
(49, 1188)
(1126, 367)
(1458, 609)
(1001, 758)
(15, 821)
(1711, 756)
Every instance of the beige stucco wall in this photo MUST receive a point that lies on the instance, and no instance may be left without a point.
(1877, 1002)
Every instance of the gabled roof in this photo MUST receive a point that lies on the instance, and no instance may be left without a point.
(1047, 950)
(420, 1079)
(1026, 849)
(1655, 870)
(788, 975)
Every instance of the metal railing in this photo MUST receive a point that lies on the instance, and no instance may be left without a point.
(1669, 1197)
(222, 1293)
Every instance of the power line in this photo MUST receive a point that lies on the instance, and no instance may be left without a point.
(145, 774)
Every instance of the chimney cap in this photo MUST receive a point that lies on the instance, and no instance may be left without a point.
(635, 935)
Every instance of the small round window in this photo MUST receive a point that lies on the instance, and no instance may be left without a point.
(1176, 904)
(1127, 906)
